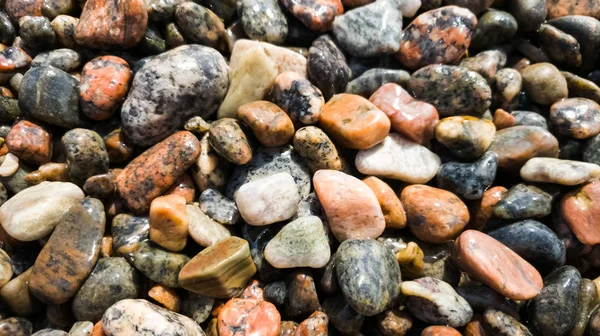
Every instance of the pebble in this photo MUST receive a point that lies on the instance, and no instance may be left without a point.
(327, 67)
(275, 292)
(564, 172)
(128, 231)
(70, 254)
(526, 118)
(493, 28)
(197, 307)
(451, 90)
(317, 149)
(203, 230)
(588, 300)
(394, 322)
(359, 31)
(559, 8)
(199, 24)
(342, 316)
(466, 137)
(371, 80)
(271, 125)
(156, 170)
(64, 26)
(317, 15)
(544, 84)
(508, 85)
(393, 211)
(229, 140)
(560, 47)
(104, 86)
(496, 266)
(158, 265)
(36, 32)
(440, 331)
(129, 316)
(502, 324)
(169, 222)
(579, 208)
(516, 145)
(486, 63)
(268, 200)
(112, 280)
(530, 14)
(594, 323)
(522, 202)
(441, 35)
(315, 325)
(171, 88)
(481, 298)
(434, 215)
(367, 292)
(30, 142)
(581, 87)
(17, 296)
(554, 310)
(218, 207)
(85, 153)
(576, 117)
(6, 271)
(285, 59)
(584, 29)
(413, 119)
(81, 328)
(352, 208)
(166, 297)
(263, 20)
(16, 326)
(301, 297)
(210, 170)
(300, 243)
(128, 20)
(64, 59)
(248, 317)
(295, 94)
(118, 147)
(469, 180)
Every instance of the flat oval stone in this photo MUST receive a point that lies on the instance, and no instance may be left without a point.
(434, 215)
(580, 208)
(451, 90)
(85, 153)
(249, 317)
(497, 266)
(559, 46)
(585, 30)
(434, 301)
(128, 20)
(317, 149)
(564, 172)
(469, 180)
(70, 254)
(229, 140)
(502, 324)
(156, 170)
(544, 83)
(16, 326)
(112, 280)
(188, 71)
(263, 20)
(400, 159)
(368, 274)
(516, 145)
(129, 316)
(441, 35)
(467, 137)
(37, 210)
(352, 209)
(534, 242)
(327, 66)
(218, 207)
(199, 24)
(578, 118)
(524, 201)
(393, 211)
(158, 265)
(203, 230)
(104, 86)
(295, 94)
(30, 142)
(315, 14)
(270, 124)
(554, 310)
(494, 27)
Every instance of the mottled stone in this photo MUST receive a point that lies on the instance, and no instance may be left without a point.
(301, 297)
(565, 172)
(576, 117)
(516, 145)
(559, 8)
(127, 19)
(30, 142)
(451, 90)
(104, 86)
(229, 140)
(527, 118)
(85, 153)
(17, 296)
(371, 80)
(203, 230)
(544, 84)
(218, 207)
(360, 264)
(171, 88)
(580, 209)
(271, 126)
(248, 317)
(502, 324)
(394, 322)
(301, 100)
(158, 265)
(469, 180)
(467, 137)
(317, 15)
(343, 317)
(508, 85)
(6, 271)
(16, 326)
(13, 59)
(64, 26)
(524, 201)
(199, 24)
(64, 59)
(486, 63)
(585, 30)
(288, 328)
(393, 211)
(400, 159)
(196, 306)
(314, 325)
(263, 20)
(559, 46)
(129, 316)
(438, 36)
(413, 119)
(496, 266)
(36, 32)
(166, 297)
(317, 149)
(128, 231)
(494, 27)
(327, 67)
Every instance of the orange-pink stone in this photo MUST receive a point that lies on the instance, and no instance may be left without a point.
(581, 210)
(351, 207)
(30, 142)
(247, 317)
(440, 331)
(314, 325)
(496, 266)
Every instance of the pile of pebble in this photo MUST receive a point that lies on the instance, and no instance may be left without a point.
(299, 168)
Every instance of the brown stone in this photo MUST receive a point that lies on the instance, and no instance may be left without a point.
(118, 148)
(248, 317)
(503, 119)
(394, 322)
(314, 325)
(581, 210)
(17, 296)
(481, 210)
(166, 296)
(270, 124)
(183, 187)
(516, 145)
(30, 142)
(169, 222)
(440, 331)
(392, 209)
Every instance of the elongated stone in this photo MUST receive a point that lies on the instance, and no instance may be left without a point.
(502, 324)
(204, 230)
(317, 149)
(469, 180)
(580, 209)
(17, 296)
(294, 94)
(229, 140)
(159, 265)
(516, 145)
(70, 254)
(565, 172)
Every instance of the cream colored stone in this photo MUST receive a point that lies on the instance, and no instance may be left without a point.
(203, 229)
(284, 58)
(16, 294)
(565, 172)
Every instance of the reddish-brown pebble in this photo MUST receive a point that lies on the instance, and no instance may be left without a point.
(503, 119)
(103, 86)
(118, 148)
(434, 215)
(412, 118)
(253, 291)
(30, 142)
(315, 14)
(560, 8)
(475, 327)
(581, 210)
(183, 187)
(154, 171)
(16, 9)
(440, 331)
(169, 222)
(5, 92)
(270, 124)
(394, 322)
(105, 24)
(166, 296)
(244, 317)
(314, 325)
(354, 122)
(495, 265)
(392, 209)
(516, 145)
(98, 330)
(482, 209)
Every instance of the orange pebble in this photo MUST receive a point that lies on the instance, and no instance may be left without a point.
(393, 212)
(314, 325)
(98, 330)
(503, 119)
(106, 248)
(167, 297)
(482, 210)
(169, 222)
(253, 291)
(244, 317)
(183, 187)
(440, 331)
(269, 123)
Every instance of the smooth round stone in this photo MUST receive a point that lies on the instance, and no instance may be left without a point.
(576, 117)
(496, 266)
(218, 207)
(508, 85)
(36, 32)
(317, 149)
(434, 215)
(529, 13)
(203, 230)
(317, 15)
(158, 265)
(469, 180)
(522, 202)
(400, 159)
(451, 90)
(560, 47)
(342, 316)
(467, 137)
(421, 47)
(585, 30)
(493, 28)
(249, 317)
(104, 86)
(64, 27)
(371, 80)
(197, 307)
(128, 231)
(34, 212)
(554, 310)
(502, 324)
(6, 271)
(16, 326)
(368, 274)
(301, 243)
(580, 209)
(112, 280)
(413, 119)
(85, 153)
(393, 211)
(30, 142)
(199, 24)
(295, 94)
(270, 124)
(581, 87)
(516, 145)
(129, 316)
(229, 140)
(359, 31)
(481, 298)
(64, 59)
(486, 63)
(327, 67)
(564, 172)
(59, 106)
(352, 209)
(440, 331)
(526, 118)
(534, 242)
(187, 71)
(263, 20)
(301, 296)
(544, 84)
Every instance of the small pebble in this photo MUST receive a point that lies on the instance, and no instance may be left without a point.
(393, 211)
(301, 100)
(579, 208)
(315, 14)
(544, 83)
(469, 180)
(249, 317)
(317, 149)
(576, 117)
(156, 264)
(199, 24)
(270, 124)
(169, 222)
(263, 20)
(203, 230)
(466, 137)
(327, 67)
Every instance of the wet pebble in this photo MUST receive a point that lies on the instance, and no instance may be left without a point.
(393, 211)
(467, 137)
(263, 20)
(203, 230)
(576, 117)
(499, 323)
(30, 142)
(544, 83)
(301, 297)
(371, 80)
(269, 123)
(169, 222)
(16, 326)
(560, 47)
(158, 265)
(527, 118)
(522, 202)
(516, 145)
(229, 140)
(565, 172)
(327, 67)
(199, 24)
(486, 63)
(64, 59)
(494, 27)
(85, 153)
(218, 207)
(315, 14)
(469, 180)
(317, 149)
(579, 209)
(248, 317)
(64, 27)
(300, 99)
(128, 231)
(36, 32)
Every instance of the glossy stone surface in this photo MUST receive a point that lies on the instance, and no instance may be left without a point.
(467, 137)
(576, 117)
(85, 153)
(301, 297)
(524, 201)
(169, 222)
(128, 231)
(104, 86)
(218, 207)
(469, 180)
(502, 324)
(493, 28)
(203, 230)
(393, 211)
(544, 83)
(158, 265)
(250, 317)
(30, 142)
(263, 20)
(199, 24)
(516, 145)
(229, 140)
(564, 172)
(270, 124)
(371, 80)
(315, 14)
(327, 67)
(580, 209)
(295, 94)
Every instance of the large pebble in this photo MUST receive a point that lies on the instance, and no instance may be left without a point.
(199, 24)
(327, 67)
(369, 81)
(524, 201)
(585, 29)
(248, 317)
(580, 209)
(516, 145)
(295, 94)
(469, 180)
(158, 265)
(85, 153)
(544, 83)
(578, 118)
(104, 86)
(559, 46)
(467, 137)
(169, 222)
(271, 126)
(64, 59)
(263, 20)
(564, 172)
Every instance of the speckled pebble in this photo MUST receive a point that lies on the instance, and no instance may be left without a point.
(199, 24)
(64, 59)
(298, 97)
(263, 20)
(469, 180)
(466, 137)
(86, 154)
(494, 27)
(327, 67)
(218, 207)
(578, 118)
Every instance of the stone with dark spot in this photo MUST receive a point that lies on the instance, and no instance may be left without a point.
(507, 87)
(295, 94)
(469, 180)
(581, 87)
(64, 59)
(559, 8)
(527, 118)
(327, 67)
(200, 25)
(466, 137)
(159, 265)
(36, 32)
(263, 20)
(515, 145)
(501, 324)
(104, 86)
(64, 27)
(522, 202)
(578, 118)
(128, 231)
(16, 9)
(54, 8)
(486, 63)
(13, 59)
(301, 298)
(218, 207)
(85, 153)
(30, 142)
(494, 27)
(229, 140)
(317, 15)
